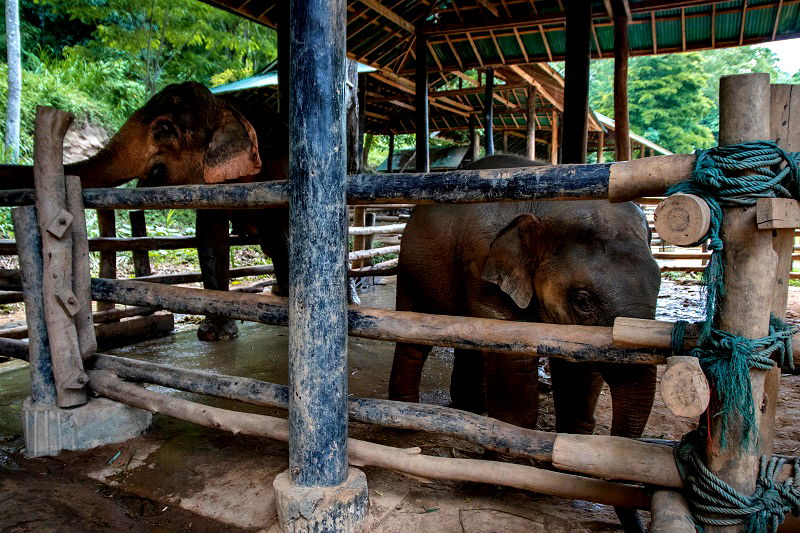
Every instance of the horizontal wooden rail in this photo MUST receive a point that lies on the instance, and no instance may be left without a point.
(119, 244)
(570, 342)
(363, 453)
(616, 181)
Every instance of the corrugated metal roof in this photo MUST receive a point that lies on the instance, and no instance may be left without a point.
(457, 29)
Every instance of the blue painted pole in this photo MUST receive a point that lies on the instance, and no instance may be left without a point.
(31, 262)
(318, 245)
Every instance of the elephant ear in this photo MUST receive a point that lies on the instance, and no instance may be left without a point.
(233, 150)
(508, 263)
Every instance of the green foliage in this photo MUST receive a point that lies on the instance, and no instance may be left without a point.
(673, 99)
(168, 41)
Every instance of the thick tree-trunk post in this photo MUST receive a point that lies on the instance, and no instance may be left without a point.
(531, 124)
(31, 263)
(601, 146)
(141, 258)
(554, 138)
(576, 82)
(421, 104)
(621, 52)
(318, 492)
(390, 160)
(488, 112)
(60, 302)
(505, 141)
(107, 225)
(749, 284)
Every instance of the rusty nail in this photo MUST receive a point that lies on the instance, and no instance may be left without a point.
(71, 300)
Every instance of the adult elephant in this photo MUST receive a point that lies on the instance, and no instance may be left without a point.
(579, 262)
(186, 135)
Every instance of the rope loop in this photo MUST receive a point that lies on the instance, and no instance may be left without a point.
(716, 503)
(727, 358)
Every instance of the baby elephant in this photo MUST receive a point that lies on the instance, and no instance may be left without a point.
(578, 262)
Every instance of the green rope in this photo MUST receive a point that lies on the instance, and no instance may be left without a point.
(727, 358)
(715, 503)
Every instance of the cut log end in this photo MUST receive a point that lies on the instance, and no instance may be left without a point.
(682, 219)
(684, 387)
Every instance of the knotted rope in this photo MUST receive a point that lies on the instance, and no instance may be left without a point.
(727, 358)
(715, 503)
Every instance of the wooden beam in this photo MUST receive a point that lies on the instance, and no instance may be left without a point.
(683, 29)
(744, 20)
(521, 46)
(530, 152)
(488, 121)
(653, 31)
(546, 43)
(621, 53)
(489, 6)
(576, 82)
(777, 19)
(421, 103)
(539, 87)
(385, 12)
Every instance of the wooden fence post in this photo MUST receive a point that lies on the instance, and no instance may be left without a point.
(60, 302)
(141, 258)
(320, 492)
(106, 222)
(749, 285)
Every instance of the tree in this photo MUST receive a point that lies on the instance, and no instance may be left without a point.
(170, 41)
(14, 79)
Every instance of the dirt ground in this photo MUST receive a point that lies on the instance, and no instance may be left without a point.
(179, 477)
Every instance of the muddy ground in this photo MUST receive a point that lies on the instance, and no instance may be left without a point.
(180, 477)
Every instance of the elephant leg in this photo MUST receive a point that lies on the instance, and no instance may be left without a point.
(467, 390)
(407, 371)
(273, 234)
(633, 389)
(213, 249)
(512, 388)
(576, 387)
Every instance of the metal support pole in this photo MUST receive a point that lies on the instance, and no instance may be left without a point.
(421, 105)
(318, 493)
(488, 107)
(576, 83)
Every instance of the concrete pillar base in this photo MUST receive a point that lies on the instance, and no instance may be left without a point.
(321, 509)
(50, 429)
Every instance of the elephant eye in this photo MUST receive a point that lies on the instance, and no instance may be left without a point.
(157, 173)
(163, 130)
(583, 301)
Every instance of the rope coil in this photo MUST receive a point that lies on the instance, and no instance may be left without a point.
(727, 358)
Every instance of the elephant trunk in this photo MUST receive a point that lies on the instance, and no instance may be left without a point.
(118, 162)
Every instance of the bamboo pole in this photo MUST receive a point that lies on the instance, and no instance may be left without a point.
(364, 453)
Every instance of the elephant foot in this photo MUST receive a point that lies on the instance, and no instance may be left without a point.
(630, 520)
(217, 329)
(279, 290)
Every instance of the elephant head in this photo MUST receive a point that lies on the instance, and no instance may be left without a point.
(586, 264)
(182, 135)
